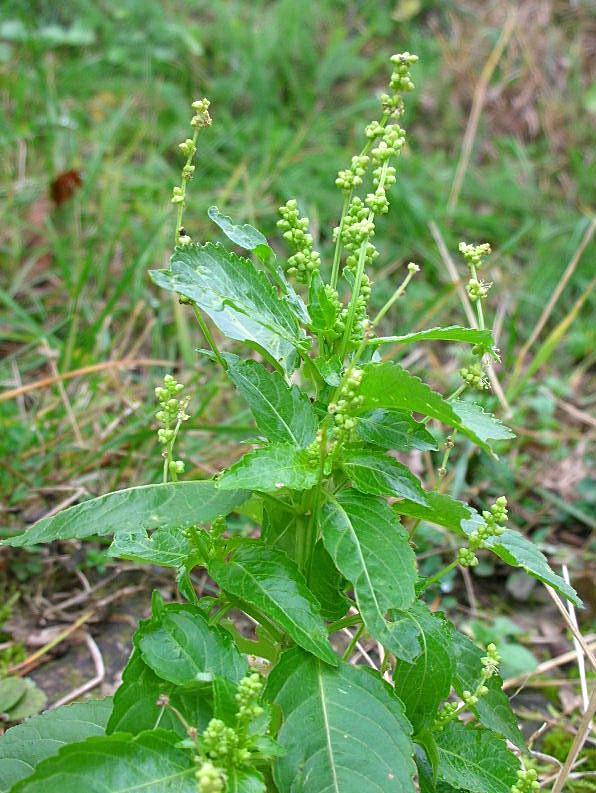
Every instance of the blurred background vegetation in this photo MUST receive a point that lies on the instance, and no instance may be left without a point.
(94, 98)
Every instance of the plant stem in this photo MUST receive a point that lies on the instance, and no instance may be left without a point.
(395, 296)
(441, 574)
(209, 337)
(344, 622)
(355, 638)
(183, 183)
(337, 251)
(478, 302)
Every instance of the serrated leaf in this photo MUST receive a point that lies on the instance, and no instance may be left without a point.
(387, 385)
(516, 550)
(327, 585)
(394, 429)
(11, 691)
(147, 763)
(240, 299)
(343, 730)
(171, 505)
(251, 239)
(493, 709)
(32, 702)
(482, 338)
(475, 759)
(282, 412)
(440, 509)
(135, 702)
(245, 780)
(424, 683)
(245, 236)
(377, 474)
(372, 550)
(180, 646)
(267, 579)
(164, 547)
(23, 747)
(270, 469)
(477, 421)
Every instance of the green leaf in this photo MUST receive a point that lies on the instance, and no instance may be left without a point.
(475, 759)
(440, 509)
(327, 585)
(245, 780)
(394, 429)
(172, 505)
(371, 549)
(147, 763)
(180, 646)
(23, 747)
(343, 730)
(240, 299)
(164, 547)
(12, 689)
(516, 550)
(32, 701)
(387, 385)
(267, 579)
(244, 236)
(480, 423)
(322, 309)
(423, 684)
(270, 469)
(493, 709)
(482, 338)
(282, 412)
(135, 702)
(379, 475)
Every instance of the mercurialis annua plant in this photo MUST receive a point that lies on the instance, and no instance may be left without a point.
(207, 705)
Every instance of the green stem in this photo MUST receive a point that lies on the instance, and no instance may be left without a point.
(209, 337)
(395, 296)
(355, 639)
(338, 245)
(438, 576)
(478, 302)
(344, 622)
(183, 183)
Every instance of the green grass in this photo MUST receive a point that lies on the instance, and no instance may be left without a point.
(105, 88)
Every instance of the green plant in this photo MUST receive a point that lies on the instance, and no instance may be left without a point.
(19, 696)
(194, 711)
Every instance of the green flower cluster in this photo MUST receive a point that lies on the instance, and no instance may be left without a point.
(527, 781)
(348, 401)
(474, 255)
(221, 748)
(492, 527)
(201, 117)
(171, 414)
(352, 177)
(474, 376)
(305, 260)
(210, 778)
(450, 710)
(401, 83)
